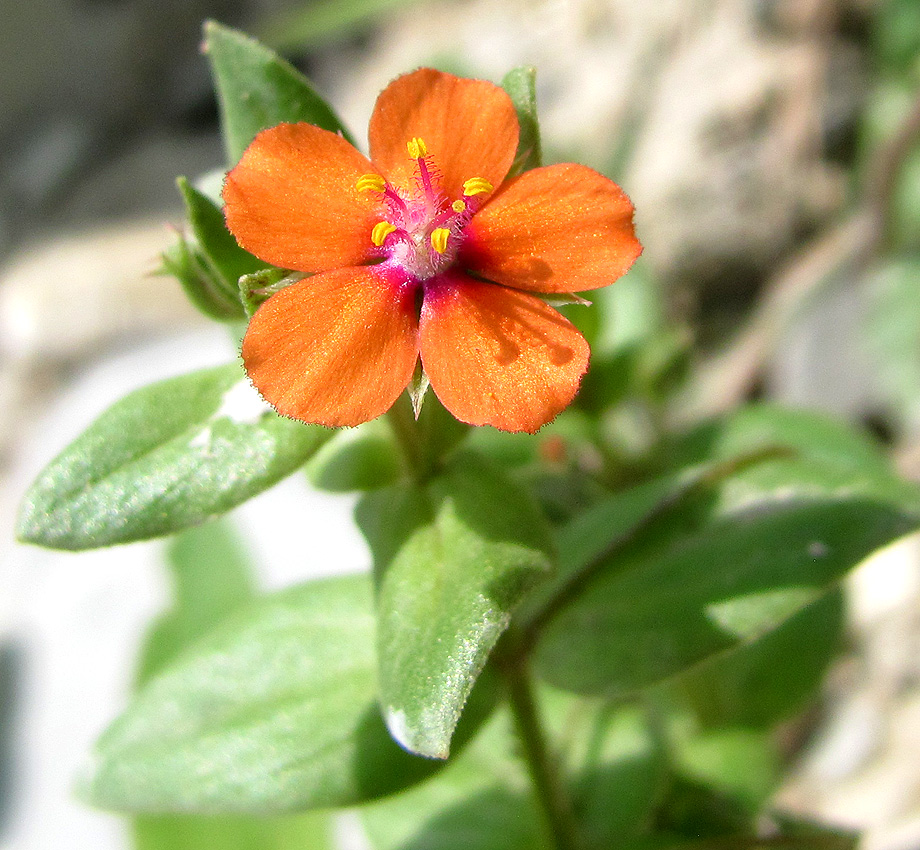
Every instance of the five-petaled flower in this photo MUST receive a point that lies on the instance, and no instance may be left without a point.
(422, 252)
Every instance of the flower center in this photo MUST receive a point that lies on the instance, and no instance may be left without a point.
(422, 229)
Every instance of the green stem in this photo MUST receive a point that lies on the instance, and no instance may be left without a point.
(544, 773)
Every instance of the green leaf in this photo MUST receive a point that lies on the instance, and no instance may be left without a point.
(452, 561)
(211, 577)
(229, 260)
(273, 712)
(483, 800)
(732, 563)
(257, 89)
(480, 801)
(165, 457)
(770, 679)
(311, 831)
(740, 764)
(616, 770)
(314, 24)
(521, 85)
(362, 458)
(199, 280)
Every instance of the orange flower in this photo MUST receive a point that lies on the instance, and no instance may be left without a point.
(422, 252)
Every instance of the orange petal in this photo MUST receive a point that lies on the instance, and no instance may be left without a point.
(469, 127)
(563, 228)
(337, 348)
(292, 200)
(497, 356)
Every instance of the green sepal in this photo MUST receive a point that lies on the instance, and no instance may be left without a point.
(218, 245)
(200, 281)
(258, 287)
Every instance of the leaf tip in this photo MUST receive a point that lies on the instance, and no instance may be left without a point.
(415, 737)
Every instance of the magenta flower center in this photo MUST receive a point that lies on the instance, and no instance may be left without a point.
(422, 228)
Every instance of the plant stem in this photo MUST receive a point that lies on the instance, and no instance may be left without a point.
(544, 773)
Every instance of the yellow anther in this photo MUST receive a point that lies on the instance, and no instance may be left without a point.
(476, 186)
(458, 206)
(381, 230)
(439, 239)
(370, 183)
(416, 148)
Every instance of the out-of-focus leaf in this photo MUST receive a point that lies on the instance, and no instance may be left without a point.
(165, 457)
(732, 563)
(211, 578)
(896, 31)
(362, 458)
(616, 770)
(483, 799)
(316, 23)
(311, 831)
(521, 85)
(273, 712)
(480, 801)
(768, 680)
(257, 89)
(452, 561)
(739, 764)
(217, 243)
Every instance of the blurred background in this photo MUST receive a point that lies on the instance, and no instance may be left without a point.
(772, 149)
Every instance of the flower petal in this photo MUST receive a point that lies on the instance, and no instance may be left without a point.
(469, 127)
(497, 356)
(337, 348)
(292, 200)
(562, 228)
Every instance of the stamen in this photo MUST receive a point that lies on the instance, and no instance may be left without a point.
(416, 148)
(458, 206)
(370, 183)
(476, 186)
(439, 239)
(381, 230)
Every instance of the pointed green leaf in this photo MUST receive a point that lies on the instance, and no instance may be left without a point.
(732, 563)
(229, 260)
(453, 559)
(257, 89)
(165, 457)
(521, 85)
(275, 711)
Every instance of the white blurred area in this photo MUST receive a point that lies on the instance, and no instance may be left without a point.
(719, 99)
